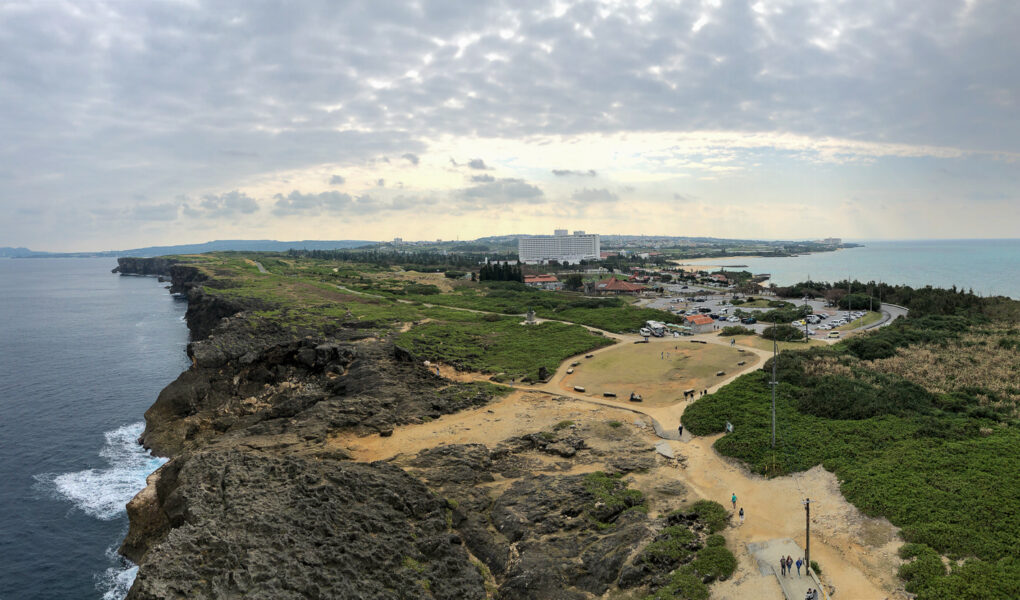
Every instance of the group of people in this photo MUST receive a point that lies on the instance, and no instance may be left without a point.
(733, 500)
(786, 565)
(811, 595)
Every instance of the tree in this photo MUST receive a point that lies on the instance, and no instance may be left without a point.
(574, 282)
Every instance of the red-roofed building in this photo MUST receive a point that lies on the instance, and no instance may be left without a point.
(700, 323)
(546, 282)
(616, 286)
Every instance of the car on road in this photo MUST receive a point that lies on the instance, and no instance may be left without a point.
(834, 334)
(748, 320)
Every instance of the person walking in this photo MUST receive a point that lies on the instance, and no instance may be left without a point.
(741, 515)
(789, 564)
(799, 563)
(782, 566)
(733, 499)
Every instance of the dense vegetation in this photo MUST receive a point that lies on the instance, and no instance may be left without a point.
(920, 301)
(933, 449)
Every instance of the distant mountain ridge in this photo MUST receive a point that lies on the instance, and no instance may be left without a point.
(9, 252)
(213, 246)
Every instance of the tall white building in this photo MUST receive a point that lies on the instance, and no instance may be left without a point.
(559, 247)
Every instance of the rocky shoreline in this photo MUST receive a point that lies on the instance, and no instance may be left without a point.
(257, 500)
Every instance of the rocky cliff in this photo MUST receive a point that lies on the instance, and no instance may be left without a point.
(258, 501)
(128, 265)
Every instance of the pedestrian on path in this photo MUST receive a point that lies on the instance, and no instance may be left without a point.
(733, 342)
(681, 429)
(782, 566)
(789, 564)
(741, 515)
(733, 499)
(799, 563)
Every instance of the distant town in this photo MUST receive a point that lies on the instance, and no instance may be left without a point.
(575, 247)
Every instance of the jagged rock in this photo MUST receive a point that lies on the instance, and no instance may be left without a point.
(267, 527)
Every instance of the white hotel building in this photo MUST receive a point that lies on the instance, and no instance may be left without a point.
(559, 247)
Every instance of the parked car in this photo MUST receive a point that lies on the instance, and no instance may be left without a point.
(834, 334)
(748, 320)
(733, 320)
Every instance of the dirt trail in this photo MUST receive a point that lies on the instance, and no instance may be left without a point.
(515, 414)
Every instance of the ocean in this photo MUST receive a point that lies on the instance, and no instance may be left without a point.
(83, 354)
(989, 267)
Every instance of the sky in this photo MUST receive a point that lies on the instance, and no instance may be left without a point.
(135, 123)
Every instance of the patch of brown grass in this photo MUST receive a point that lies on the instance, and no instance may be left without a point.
(975, 360)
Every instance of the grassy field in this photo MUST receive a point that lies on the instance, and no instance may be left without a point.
(756, 341)
(919, 426)
(502, 346)
(647, 370)
(867, 319)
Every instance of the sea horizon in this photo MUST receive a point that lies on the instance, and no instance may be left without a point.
(991, 267)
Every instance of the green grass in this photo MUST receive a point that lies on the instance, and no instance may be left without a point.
(502, 346)
(867, 319)
(510, 298)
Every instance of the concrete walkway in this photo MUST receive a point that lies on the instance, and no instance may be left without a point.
(794, 585)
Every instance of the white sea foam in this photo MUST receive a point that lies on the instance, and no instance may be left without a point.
(103, 493)
(115, 582)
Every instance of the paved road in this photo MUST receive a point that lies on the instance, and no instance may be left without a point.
(794, 585)
(260, 267)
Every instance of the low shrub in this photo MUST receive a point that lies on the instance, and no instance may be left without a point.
(714, 562)
(712, 514)
(736, 330)
(683, 585)
(783, 333)
(669, 548)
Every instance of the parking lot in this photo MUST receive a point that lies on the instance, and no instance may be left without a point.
(717, 302)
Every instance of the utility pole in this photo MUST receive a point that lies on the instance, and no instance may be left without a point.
(807, 538)
(773, 383)
(807, 338)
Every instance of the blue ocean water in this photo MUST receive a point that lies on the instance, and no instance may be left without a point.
(83, 354)
(989, 267)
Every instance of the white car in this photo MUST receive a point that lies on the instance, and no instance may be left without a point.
(825, 327)
(733, 320)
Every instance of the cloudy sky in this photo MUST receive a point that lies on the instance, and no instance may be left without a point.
(133, 123)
